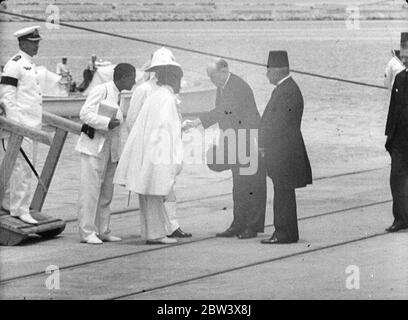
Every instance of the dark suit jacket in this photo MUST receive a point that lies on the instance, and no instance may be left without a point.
(235, 108)
(286, 158)
(399, 101)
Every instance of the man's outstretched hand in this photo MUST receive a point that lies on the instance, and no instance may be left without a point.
(188, 124)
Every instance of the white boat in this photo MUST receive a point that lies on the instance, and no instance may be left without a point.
(193, 101)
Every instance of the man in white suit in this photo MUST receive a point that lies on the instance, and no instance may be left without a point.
(99, 145)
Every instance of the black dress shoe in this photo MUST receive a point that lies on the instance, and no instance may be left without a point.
(274, 240)
(230, 232)
(396, 227)
(180, 234)
(247, 234)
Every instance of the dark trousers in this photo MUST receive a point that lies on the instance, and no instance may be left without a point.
(249, 196)
(399, 187)
(285, 215)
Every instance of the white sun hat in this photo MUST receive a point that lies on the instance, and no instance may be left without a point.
(162, 57)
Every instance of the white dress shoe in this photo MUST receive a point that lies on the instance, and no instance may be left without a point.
(92, 239)
(27, 218)
(109, 238)
(165, 240)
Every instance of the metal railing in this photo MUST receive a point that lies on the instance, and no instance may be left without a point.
(17, 132)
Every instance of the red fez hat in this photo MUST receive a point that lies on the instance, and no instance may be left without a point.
(278, 59)
(404, 44)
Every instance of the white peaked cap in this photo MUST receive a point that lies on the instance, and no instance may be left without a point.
(29, 33)
(162, 57)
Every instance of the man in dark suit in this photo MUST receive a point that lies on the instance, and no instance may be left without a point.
(397, 142)
(281, 144)
(236, 114)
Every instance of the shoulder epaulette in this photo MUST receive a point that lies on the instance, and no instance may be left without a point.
(16, 58)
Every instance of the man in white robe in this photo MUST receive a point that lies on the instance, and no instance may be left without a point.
(136, 102)
(99, 145)
(153, 153)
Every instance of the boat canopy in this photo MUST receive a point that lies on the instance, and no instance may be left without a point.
(50, 83)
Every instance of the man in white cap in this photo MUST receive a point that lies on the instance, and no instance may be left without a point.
(397, 143)
(62, 69)
(138, 98)
(92, 63)
(21, 95)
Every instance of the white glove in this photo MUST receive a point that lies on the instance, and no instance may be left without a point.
(188, 124)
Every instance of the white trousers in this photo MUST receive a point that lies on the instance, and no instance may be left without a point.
(96, 193)
(153, 217)
(158, 215)
(170, 206)
(18, 193)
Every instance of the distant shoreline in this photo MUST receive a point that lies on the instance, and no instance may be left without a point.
(216, 19)
(210, 11)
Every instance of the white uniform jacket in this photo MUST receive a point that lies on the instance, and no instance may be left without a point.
(89, 115)
(20, 91)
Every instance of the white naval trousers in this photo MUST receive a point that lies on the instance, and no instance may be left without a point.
(96, 192)
(18, 193)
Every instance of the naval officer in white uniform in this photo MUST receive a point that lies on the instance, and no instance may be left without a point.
(100, 150)
(21, 95)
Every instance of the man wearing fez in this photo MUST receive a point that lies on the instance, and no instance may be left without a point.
(21, 95)
(235, 110)
(397, 142)
(282, 147)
